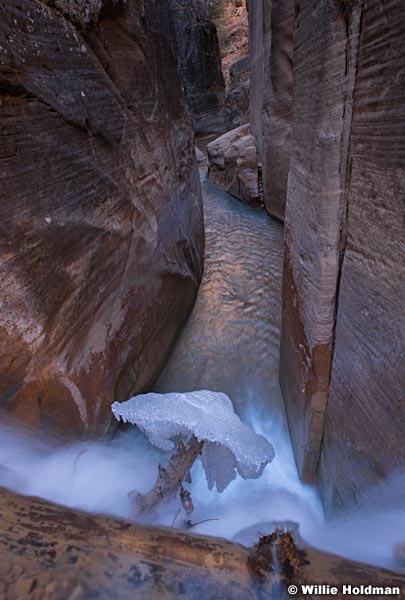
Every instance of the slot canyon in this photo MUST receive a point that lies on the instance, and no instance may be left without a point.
(202, 332)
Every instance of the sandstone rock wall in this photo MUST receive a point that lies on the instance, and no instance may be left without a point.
(343, 335)
(313, 224)
(365, 416)
(200, 64)
(271, 28)
(231, 19)
(100, 210)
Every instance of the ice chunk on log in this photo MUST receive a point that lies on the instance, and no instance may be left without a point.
(230, 445)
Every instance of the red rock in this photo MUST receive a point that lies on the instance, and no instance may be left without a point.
(365, 416)
(343, 328)
(100, 209)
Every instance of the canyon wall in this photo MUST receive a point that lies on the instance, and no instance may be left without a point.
(327, 111)
(343, 335)
(271, 28)
(365, 416)
(231, 20)
(200, 65)
(101, 238)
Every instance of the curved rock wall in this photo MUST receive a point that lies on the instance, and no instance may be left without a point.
(101, 237)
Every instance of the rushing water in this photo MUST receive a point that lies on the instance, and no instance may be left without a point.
(229, 344)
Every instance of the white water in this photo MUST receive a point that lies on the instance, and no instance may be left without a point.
(99, 476)
(230, 344)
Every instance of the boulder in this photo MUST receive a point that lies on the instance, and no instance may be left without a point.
(101, 234)
(233, 164)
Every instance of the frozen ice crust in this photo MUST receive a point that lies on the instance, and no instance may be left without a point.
(230, 445)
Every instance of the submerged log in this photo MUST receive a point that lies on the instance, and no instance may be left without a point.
(57, 553)
(169, 480)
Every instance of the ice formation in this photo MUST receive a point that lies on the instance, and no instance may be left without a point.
(230, 445)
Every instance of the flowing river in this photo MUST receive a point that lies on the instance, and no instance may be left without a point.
(230, 344)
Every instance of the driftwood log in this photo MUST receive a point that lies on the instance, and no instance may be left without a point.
(48, 552)
(169, 480)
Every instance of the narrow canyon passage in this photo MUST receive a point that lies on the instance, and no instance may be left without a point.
(229, 344)
(231, 340)
(200, 198)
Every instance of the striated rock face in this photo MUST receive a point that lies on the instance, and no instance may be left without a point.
(101, 225)
(233, 164)
(312, 226)
(343, 329)
(200, 64)
(365, 416)
(271, 29)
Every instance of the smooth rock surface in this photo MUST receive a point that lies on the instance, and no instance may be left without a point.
(101, 225)
(234, 328)
(232, 164)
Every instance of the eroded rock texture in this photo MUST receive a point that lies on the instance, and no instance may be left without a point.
(313, 224)
(200, 64)
(232, 164)
(101, 225)
(365, 417)
(343, 333)
(271, 29)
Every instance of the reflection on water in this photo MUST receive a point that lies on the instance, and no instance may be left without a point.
(230, 344)
(231, 340)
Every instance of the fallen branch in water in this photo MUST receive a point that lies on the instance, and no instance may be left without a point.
(169, 481)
